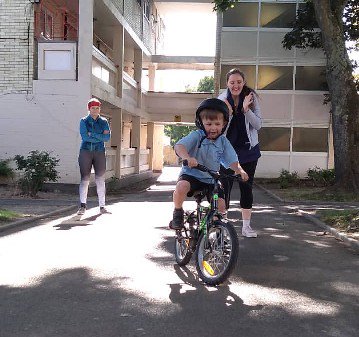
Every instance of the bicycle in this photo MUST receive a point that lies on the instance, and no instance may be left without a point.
(213, 241)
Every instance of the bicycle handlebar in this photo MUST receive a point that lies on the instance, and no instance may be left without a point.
(214, 174)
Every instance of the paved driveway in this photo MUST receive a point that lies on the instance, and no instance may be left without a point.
(114, 275)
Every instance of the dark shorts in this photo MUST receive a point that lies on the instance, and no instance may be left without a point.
(197, 185)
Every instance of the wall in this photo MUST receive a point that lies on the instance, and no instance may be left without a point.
(16, 46)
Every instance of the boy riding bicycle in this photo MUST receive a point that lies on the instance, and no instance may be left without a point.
(206, 146)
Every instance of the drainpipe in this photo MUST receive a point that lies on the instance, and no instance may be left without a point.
(217, 58)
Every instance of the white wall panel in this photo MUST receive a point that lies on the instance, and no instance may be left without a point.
(271, 163)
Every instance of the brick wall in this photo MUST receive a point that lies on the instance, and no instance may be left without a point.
(16, 49)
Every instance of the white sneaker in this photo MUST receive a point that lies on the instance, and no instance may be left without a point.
(81, 210)
(248, 232)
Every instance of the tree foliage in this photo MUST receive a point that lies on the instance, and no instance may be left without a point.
(305, 33)
(206, 84)
(176, 132)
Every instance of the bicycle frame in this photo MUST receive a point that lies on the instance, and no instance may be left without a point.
(205, 215)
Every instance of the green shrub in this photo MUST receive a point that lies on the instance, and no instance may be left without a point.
(287, 179)
(5, 169)
(38, 167)
(321, 177)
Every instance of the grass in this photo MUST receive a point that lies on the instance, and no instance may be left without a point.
(303, 191)
(343, 220)
(316, 194)
(6, 215)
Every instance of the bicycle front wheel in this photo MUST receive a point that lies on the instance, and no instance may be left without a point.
(183, 247)
(217, 253)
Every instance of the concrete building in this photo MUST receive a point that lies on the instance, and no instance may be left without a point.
(291, 84)
(56, 54)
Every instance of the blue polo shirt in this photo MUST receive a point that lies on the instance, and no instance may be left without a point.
(210, 153)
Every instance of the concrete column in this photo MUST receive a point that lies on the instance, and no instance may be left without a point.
(217, 59)
(116, 138)
(150, 142)
(151, 77)
(157, 150)
(118, 56)
(138, 58)
(136, 140)
(85, 49)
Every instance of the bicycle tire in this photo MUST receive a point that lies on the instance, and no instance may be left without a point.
(183, 248)
(217, 253)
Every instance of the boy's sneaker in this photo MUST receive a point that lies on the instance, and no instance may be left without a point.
(248, 232)
(81, 210)
(177, 221)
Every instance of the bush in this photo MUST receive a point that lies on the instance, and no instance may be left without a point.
(38, 168)
(5, 170)
(287, 179)
(321, 177)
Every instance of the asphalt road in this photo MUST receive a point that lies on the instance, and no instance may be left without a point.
(115, 275)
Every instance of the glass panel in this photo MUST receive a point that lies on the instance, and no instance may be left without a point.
(277, 15)
(274, 139)
(275, 78)
(270, 45)
(310, 78)
(239, 45)
(310, 140)
(249, 72)
(242, 15)
(276, 107)
(309, 108)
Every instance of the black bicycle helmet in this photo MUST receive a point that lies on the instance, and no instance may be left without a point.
(212, 104)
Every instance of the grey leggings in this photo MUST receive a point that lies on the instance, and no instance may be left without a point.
(97, 159)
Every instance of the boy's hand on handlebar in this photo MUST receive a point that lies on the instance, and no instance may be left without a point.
(191, 162)
(243, 174)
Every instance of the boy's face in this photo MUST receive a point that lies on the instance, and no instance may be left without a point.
(213, 127)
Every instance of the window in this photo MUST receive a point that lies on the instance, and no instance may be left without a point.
(310, 140)
(249, 72)
(277, 15)
(242, 15)
(46, 24)
(275, 78)
(310, 78)
(274, 139)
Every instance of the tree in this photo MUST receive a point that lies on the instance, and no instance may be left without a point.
(338, 21)
(206, 84)
(176, 132)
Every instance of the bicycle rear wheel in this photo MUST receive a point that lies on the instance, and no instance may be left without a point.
(217, 253)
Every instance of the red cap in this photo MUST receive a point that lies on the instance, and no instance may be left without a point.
(93, 102)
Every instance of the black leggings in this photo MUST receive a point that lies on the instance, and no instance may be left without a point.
(246, 189)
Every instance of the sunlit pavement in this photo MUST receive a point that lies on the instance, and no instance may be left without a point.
(114, 275)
